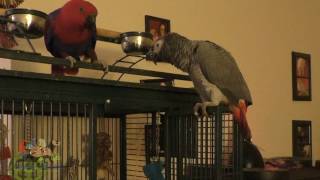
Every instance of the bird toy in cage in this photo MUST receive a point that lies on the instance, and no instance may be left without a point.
(10, 3)
(104, 154)
(72, 168)
(5, 152)
(153, 170)
(34, 156)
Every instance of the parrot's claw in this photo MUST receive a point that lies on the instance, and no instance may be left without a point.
(203, 106)
(72, 60)
(106, 68)
(196, 108)
(85, 59)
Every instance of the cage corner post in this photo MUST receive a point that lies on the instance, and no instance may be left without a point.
(93, 140)
(167, 149)
(123, 147)
(218, 145)
(240, 155)
(238, 152)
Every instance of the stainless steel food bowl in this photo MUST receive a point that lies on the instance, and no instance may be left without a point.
(32, 22)
(136, 43)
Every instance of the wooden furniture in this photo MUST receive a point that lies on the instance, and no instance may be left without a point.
(283, 174)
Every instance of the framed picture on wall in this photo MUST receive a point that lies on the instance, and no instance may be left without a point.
(302, 141)
(301, 76)
(158, 27)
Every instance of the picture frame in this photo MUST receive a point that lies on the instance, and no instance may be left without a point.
(157, 26)
(301, 76)
(302, 141)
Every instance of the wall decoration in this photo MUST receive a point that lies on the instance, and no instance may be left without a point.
(302, 141)
(301, 76)
(158, 27)
(10, 3)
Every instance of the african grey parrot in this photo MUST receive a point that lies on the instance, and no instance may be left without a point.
(214, 72)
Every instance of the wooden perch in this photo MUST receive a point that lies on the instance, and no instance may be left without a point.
(108, 33)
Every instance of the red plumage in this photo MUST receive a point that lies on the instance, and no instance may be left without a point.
(72, 18)
(71, 31)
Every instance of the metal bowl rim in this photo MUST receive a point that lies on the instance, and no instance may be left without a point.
(15, 11)
(136, 33)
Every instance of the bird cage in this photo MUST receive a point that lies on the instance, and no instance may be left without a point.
(55, 127)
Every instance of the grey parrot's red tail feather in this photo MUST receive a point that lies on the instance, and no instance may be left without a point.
(239, 113)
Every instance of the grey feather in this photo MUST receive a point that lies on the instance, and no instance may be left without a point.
(217, 66)
(176, 50)
(221, 69)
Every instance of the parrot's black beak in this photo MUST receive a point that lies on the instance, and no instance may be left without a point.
(151, 56)
(91, 21)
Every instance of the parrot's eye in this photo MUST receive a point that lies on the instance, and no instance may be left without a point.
(157, 46)
(81, 9)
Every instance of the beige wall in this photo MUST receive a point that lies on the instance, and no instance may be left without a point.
(260, 34)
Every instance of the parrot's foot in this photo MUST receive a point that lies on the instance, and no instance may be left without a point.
(106, 68)
(203, 106)
(72, 61)
(85, 59)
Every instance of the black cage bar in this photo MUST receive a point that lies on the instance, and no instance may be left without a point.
(202, 148)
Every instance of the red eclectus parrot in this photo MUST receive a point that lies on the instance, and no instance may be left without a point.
(70, 33)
